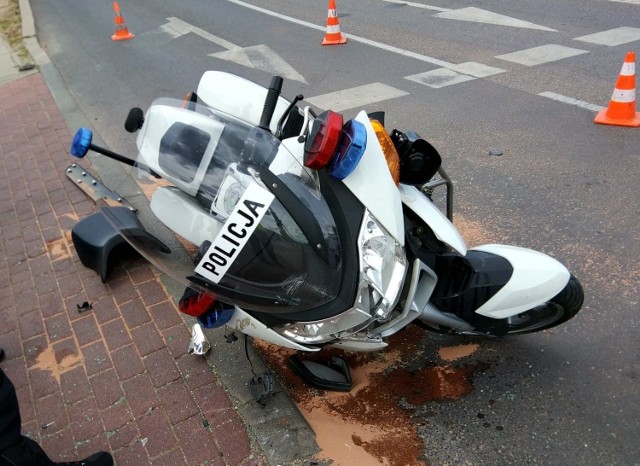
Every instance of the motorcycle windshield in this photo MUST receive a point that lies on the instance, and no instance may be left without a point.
(232, 211)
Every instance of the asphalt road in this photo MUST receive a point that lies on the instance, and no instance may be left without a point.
(563, 185)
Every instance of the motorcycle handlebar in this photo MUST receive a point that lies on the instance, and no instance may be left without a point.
(270, 102)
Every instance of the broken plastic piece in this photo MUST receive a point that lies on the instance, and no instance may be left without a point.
(261, 387)
(230, 337)
(84, 307)
(199, 343)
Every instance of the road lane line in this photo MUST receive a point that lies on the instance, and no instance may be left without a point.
(362, 40)
(571, 101)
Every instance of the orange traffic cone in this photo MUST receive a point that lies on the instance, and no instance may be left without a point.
(622, 107)
(122, 33)
(333, 35)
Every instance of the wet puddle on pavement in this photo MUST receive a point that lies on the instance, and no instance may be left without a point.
(373, 424)
(57, 249)
(47, 361)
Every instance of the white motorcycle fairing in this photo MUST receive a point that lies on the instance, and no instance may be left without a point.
(249, 325)
(372, 184)
(444, 230)
(536, 279)
(295, 234)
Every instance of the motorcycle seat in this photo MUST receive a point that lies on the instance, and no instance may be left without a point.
(95, 238)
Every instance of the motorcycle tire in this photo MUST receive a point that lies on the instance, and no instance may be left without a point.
(556, 311)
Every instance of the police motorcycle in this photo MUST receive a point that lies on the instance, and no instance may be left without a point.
(307, 231)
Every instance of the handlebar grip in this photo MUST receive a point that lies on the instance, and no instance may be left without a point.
(270, 102)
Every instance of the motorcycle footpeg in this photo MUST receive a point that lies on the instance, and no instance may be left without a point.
(336, 376)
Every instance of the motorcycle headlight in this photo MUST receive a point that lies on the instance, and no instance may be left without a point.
(383, 266)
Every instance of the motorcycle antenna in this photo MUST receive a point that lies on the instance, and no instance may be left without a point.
(270, 103)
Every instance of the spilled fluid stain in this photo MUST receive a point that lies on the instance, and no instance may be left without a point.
(72, 216)
(57, 249)
(46, 360)
(433, 383)
(473, 232)
(358, 427)
(373, 423)
(453, 353)
(67, 236)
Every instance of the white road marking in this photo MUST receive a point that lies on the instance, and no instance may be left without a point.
(262, 58)
(440, 77)
(465, 68)
(356, 97)
(259, 57)
(176, 27)
(345, 99)
(418, 5)
(612, 37)
(542, 54)
(483, 16)
(635, 2)
(571, 101)
(362, 40)
(477, 70)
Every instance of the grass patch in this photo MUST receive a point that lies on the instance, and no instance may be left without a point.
(11, 27)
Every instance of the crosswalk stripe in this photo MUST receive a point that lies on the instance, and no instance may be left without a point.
(477, 70)
(543, 54)
(356, 97)
(440, 77)
(612, 37)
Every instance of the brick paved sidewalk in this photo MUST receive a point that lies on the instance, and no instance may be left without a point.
(116, 377)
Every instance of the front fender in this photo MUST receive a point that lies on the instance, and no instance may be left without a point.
(535, 280)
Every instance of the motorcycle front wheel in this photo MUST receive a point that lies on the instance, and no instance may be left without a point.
(554, 312)
(558, 310)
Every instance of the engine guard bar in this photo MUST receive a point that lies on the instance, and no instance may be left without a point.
(431, 185)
